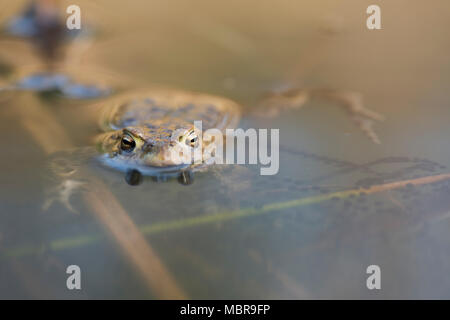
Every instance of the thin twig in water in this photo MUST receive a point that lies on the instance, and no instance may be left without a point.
(184, 223)
(44, 128)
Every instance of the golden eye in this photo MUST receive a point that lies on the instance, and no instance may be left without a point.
(127, 144)
(192, 141)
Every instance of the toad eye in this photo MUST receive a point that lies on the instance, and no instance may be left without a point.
(127, 144)
(192, 141)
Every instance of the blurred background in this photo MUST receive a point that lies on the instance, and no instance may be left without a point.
(234, 234)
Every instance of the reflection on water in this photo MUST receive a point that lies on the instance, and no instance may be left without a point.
(338, 204)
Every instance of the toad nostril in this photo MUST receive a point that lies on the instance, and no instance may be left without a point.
(148, 147)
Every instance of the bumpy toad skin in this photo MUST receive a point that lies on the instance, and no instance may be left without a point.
(147, 130)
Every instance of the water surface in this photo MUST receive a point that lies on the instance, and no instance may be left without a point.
(234, 233)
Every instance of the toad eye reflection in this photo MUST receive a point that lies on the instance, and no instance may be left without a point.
(127, 144)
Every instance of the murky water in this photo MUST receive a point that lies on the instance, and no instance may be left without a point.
(234, 233)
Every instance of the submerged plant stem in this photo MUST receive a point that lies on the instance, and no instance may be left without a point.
(178, 224)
